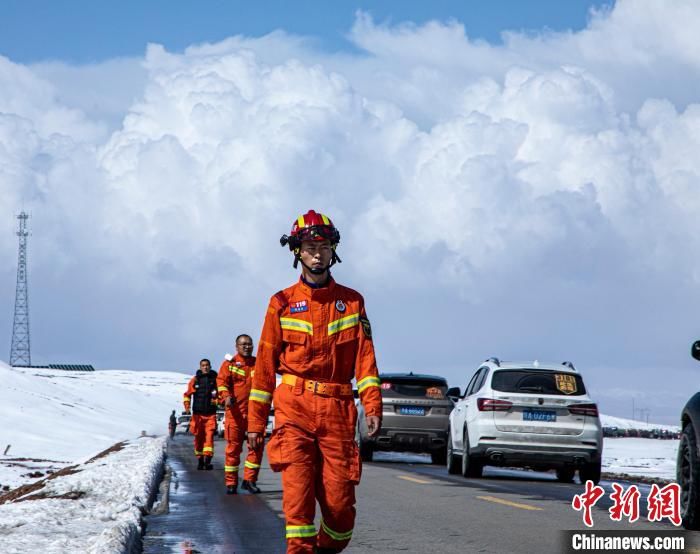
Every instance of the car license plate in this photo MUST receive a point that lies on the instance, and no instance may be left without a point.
(411, 410)
(539, 415)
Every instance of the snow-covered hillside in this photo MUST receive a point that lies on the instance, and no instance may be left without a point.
(54, 423)
(622, 423)
(53, 416)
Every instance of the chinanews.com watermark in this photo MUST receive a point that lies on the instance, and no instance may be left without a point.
(663, 503)
(623, 541)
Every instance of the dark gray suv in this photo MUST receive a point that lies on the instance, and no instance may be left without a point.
(415, 417)
(688, 462)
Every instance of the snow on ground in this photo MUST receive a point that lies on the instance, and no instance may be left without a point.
(641, 457)
(56, 421)
(95, 509)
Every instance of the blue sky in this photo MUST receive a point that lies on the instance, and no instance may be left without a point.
(86, 31)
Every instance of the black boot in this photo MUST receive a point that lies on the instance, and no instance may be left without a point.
(325, 550)
(207, 462)
(200, 463)
(231, 489)
(251, 487)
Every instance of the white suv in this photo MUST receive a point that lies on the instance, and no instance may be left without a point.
(526, 415)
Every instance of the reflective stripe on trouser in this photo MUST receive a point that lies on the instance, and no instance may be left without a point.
(314, 448)
(203, 428)
(235, 438)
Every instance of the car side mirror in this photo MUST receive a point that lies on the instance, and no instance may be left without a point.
(695, 350)
(453, 394)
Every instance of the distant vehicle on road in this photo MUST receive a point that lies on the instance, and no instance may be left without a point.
(220, 414)
(415, 417)
(270, 422)
(183, 423)
(525, 415)
(687, 463)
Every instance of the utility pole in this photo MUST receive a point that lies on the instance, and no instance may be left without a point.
(20, 354)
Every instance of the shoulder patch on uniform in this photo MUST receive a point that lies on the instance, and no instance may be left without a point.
(366, 327)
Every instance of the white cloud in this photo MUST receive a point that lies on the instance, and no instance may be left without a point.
(534, 199)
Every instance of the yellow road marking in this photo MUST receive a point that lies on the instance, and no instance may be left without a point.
(414, 480)
(509, 503)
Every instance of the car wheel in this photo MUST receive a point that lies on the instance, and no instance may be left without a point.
(565, 474)
(366, 451)
(471, 467)
(453, 461)
(688, 477)
(590, 472)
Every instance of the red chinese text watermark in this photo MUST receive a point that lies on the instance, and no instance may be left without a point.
(662, 502)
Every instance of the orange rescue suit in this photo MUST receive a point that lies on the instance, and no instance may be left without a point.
(318, 339)
(234, 381)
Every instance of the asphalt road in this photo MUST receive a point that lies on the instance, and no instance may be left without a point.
(403, 506)
(202, 519)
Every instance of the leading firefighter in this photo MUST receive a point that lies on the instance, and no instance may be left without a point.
(317, 336)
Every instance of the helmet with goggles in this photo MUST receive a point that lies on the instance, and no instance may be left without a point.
(315, 227)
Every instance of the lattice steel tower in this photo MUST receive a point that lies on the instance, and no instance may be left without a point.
(20, 354)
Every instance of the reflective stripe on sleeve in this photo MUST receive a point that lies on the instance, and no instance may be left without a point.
(292, 324)
(367, 382)
(222, 388)
(334, 534)
(300, 531)
(237, 370)
(343, 323)
(260, 396)
(251, 465)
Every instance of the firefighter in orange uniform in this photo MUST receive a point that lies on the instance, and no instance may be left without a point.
(201, 396)
(317, 336)
(233, 384)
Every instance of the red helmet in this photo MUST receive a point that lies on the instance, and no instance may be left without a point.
(311, 226)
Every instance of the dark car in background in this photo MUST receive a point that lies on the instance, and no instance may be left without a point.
(415, 417)
(688, 462)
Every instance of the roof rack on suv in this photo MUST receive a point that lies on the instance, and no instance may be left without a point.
(494, 360)
(569, 365)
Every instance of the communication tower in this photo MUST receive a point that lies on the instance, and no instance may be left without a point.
(20, 354)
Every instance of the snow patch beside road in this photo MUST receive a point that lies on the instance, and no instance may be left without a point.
(641, 457)
(96, 507)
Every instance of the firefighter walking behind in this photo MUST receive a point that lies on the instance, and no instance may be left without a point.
(233, 383)
(201, 397)
(317, 336)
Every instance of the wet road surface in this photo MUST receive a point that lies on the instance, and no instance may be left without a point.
(203, 519)
(404, 504)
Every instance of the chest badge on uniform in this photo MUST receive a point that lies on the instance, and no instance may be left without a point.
(297, 307)
(340, 306)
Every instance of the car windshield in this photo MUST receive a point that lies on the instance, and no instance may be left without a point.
(414, 387)
(538, 381)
